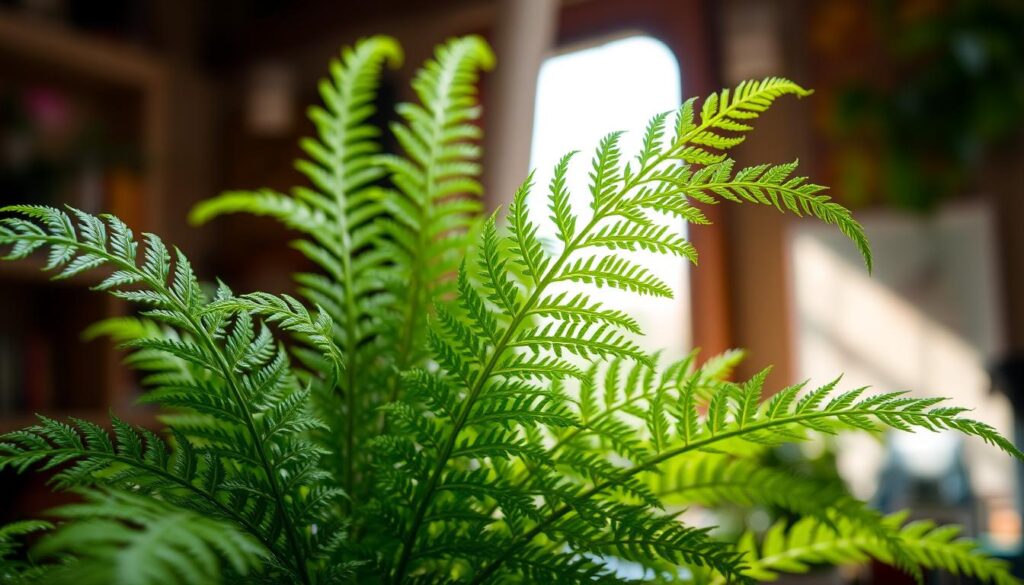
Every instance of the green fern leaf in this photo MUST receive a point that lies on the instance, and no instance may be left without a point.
(117, 537)
(794, 549)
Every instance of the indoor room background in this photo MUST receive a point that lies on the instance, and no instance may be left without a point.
(145, 108)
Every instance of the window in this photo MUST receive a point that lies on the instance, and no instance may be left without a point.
(582, 95)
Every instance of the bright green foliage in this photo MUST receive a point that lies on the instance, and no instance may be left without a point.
(444, 408)
(434, 204)
(342, 216)
(246, 458)
(384, 253)
(796, 548)
(714, 479)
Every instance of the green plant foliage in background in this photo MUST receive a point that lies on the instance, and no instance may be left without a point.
(433, 406)
(946, 92)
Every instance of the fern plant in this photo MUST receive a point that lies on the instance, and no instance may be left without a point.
(435, 404)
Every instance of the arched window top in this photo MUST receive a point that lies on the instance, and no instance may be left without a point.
(584, 93)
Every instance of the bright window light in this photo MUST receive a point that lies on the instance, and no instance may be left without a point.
(581, 96)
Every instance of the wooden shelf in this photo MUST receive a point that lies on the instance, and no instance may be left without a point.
(161, 113)
(38, 40)
(48, 52)
(84, 379)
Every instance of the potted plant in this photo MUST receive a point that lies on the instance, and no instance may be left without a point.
(441, 411)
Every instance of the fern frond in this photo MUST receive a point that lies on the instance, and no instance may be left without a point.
(762, 184)
(659, 541)
(796, 548)
(783, 418)
(134, 458)
(725, 118)
(579, 308)
(344, 216)
(622, 219)
(244, 383)
(710, 479)
(293, 212)
(117, 537)
(437, 188)
(291, 315)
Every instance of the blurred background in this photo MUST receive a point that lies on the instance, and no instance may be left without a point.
(142, 108)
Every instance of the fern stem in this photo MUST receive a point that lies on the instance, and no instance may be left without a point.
(352, 319)
(424, 501)
(350, 433)
(447, 79)
(290, 532)
(405, 342)
(289, 529)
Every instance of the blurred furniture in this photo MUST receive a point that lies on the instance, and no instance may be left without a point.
(44, 365)
(143, 148)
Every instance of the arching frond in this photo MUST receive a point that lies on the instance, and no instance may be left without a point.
(254, 412)
(714, 479)
(478, 352)
(808, 542)
(343, 216)
(436, 202)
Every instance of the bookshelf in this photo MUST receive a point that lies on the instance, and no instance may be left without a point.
(117, 95)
